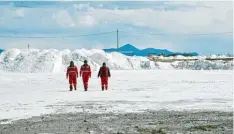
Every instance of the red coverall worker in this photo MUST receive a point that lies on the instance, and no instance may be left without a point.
(104, 73)
(72, 74)
(85, 73)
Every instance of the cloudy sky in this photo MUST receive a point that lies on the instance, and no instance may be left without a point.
(178, 26)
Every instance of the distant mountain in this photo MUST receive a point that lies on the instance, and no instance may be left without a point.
(129, 47)
(145, 52)
(1, 50)
(130, 50)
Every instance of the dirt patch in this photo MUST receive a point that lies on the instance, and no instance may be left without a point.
(150, 122)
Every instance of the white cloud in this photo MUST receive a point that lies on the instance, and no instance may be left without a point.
(39, 44)
(63, 19)
(78, 19)
(86, 20)
(198, 17)
(205, 17)
(20, 12)
(81, 6)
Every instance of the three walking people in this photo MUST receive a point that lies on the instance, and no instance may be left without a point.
(85, 73)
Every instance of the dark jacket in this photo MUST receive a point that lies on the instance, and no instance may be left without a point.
(104, 72)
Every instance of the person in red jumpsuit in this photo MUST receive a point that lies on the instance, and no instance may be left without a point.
(72, 74)
(85, 73)
(104, 73)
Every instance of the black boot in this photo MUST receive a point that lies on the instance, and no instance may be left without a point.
(70, 88)
(102, 88)
(86, 89)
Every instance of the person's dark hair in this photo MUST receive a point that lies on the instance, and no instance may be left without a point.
(103, 64)
(85, 61)
(71, 64)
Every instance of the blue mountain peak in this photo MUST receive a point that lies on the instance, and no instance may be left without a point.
(128, 47)
(130, 50)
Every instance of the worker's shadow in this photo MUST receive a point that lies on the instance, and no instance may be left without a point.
(53, 91)
(77, 90)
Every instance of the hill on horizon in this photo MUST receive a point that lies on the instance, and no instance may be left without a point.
(131, 50)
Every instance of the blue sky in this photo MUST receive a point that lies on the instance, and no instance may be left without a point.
(137, 21)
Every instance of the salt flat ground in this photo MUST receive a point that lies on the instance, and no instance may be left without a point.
(23, 95)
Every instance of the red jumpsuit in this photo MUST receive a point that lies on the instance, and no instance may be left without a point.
(104, 73)
(72, 73)
(85, 72)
